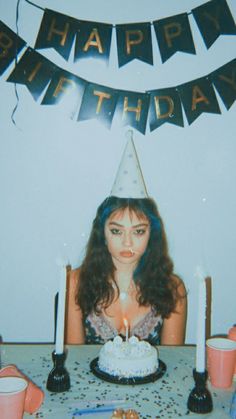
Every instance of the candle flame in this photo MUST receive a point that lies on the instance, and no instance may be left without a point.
(125, 322)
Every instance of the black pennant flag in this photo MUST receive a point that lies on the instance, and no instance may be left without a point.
(34, 71)
(224, 80)
(93, 40)
(10, 46)
(132, 109)
(165, 106)
(134, 41)
(56, 31)
(99, 103)
(174, 34)
(214, 19)
(67, 89)
(198, 96)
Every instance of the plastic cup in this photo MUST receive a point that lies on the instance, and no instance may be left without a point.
(221, 356)
(34, 395)
(12, 397)
(232, 336)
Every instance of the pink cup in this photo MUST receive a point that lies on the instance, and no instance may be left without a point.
(34, 395)
(232, 336)
(221, 356)
(12, 397)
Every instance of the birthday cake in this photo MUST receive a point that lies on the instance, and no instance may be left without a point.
(131, 358)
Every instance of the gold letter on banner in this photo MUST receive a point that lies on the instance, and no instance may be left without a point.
(102, 95)
(5, 43)
(170, 102)
(170, 33)
(96, 43)
(130, 42)
(132, 109)
(215, 20)
(53, 30)
(198, 97)
(34, 72)
(232, 81)
(62, 87)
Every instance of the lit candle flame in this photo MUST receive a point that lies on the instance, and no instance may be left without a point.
(126, 324)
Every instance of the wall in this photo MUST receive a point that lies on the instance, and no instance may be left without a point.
(55, 171)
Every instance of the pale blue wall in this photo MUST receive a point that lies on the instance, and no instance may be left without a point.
(55, 171)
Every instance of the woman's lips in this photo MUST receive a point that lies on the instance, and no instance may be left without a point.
(127, 253)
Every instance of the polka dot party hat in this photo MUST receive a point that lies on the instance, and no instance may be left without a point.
(129, 182)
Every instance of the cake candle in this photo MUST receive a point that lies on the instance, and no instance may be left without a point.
(61, 313)
(126, 329)
(201, 325)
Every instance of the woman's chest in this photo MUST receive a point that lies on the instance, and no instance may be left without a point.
(122, 309)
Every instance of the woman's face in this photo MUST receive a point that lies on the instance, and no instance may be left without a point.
(126, 236)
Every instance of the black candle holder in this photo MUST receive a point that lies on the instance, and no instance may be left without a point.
(200, 400)
(58, 379)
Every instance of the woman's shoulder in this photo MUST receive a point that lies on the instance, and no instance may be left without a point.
(178, 284)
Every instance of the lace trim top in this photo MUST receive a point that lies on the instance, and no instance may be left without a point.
(98, 330)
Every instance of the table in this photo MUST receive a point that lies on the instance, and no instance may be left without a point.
(165, 398)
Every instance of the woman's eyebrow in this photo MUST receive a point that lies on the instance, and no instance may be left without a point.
(141, 225)
(115, 223)
(135, 226)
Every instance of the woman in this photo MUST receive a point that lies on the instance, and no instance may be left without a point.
(126, 277)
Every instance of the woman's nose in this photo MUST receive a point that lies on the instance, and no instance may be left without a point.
(127, 239)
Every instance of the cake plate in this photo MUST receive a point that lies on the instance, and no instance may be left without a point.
(125, 380)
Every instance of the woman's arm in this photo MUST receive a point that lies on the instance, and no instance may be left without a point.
(74, 330)
(173, 329)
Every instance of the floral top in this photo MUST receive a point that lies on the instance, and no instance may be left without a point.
(98, 330)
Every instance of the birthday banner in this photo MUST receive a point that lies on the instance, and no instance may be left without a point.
(86, 100)
(134, 40)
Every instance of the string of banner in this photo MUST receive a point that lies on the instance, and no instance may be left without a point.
(88, 100)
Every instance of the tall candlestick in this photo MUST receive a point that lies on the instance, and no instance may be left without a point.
(61, 313)
(201, 325)
(126, 329)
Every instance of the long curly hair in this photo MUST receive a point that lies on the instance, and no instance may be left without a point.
(153, 275)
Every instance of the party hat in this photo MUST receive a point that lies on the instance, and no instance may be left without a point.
(129, 182)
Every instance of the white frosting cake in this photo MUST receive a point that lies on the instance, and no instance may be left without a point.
(134, 358)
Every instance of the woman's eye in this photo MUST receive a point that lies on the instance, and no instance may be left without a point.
(115, 231)
(140, 231)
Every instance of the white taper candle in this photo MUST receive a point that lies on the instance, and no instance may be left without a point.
(201, 324)
(61, 313)
(126, 329)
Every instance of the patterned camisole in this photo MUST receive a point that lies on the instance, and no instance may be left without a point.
(98, 330)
